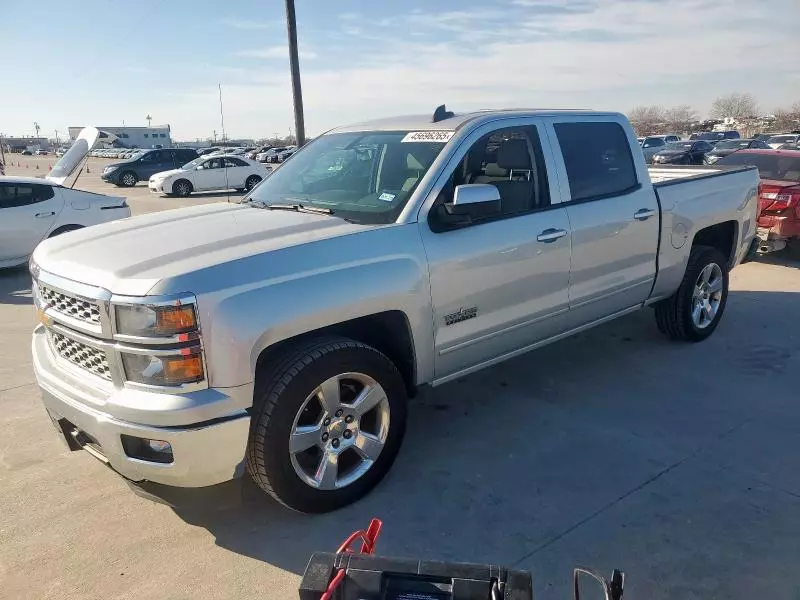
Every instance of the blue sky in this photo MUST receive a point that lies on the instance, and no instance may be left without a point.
(102, 62)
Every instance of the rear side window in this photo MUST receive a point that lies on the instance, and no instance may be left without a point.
(23, 194)
(598, 159)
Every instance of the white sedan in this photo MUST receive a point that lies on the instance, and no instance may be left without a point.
(218, 172)
(33, 209)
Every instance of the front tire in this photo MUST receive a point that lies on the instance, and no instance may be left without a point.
(128, 179)
(327, 425)
(694, 311)
(182, 188)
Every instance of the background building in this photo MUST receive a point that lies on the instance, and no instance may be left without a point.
(135, 137)
(18, 144)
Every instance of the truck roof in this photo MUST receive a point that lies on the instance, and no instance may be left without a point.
(426, 122)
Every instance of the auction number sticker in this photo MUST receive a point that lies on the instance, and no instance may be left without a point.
(428, 136)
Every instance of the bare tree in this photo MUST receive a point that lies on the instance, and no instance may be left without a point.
(646, 120)
(679, 119)
(788, 119)
(735, 106)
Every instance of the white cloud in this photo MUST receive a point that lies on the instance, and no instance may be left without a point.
(274, 52)
(605, 54)
(250, 25)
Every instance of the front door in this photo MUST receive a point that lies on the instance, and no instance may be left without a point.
(210, 175)
(155, 161)
(27, 213)
(499, 284)
(614, 218)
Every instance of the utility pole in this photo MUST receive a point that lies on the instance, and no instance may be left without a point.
(294, 64)
(214, 131)
(36, 127)
(56, 139)
(221, 114)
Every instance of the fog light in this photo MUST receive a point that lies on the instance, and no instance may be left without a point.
(157, 451)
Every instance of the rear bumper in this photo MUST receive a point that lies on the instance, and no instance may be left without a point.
(778, 227)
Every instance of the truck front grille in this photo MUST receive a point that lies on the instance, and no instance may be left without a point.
(77, 308)
(86, 357)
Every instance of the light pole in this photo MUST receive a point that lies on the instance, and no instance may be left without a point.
(294, 64)
(149, 118)
(36, 127)
(56, 139)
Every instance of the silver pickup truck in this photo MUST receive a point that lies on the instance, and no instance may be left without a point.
(282, 335)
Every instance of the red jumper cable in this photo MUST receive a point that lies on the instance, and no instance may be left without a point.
(368, 540)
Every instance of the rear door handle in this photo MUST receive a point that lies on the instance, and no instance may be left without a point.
(551, 235)
(643, 214)
(44, 215)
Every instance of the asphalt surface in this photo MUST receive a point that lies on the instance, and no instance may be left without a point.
(678, 463)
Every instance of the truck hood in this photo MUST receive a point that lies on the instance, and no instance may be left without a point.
(132, 255)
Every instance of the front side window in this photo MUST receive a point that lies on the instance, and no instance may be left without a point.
(234, 162)
(598, 159)
(365, 176)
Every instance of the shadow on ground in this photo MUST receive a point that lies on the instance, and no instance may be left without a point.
(15, 286)
(511, 461)
(789, 257)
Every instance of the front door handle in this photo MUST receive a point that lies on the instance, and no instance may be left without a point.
(643, 214)
(549, 236)
(44, 215)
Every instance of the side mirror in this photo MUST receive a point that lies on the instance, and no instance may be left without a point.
(475, 200)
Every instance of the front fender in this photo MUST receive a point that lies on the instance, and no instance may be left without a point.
(348, 278)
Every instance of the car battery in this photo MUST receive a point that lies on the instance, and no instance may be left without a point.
(370, 577)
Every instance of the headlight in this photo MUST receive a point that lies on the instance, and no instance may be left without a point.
(109, 169)
(185, 366)
(711, 159)
(146, 320)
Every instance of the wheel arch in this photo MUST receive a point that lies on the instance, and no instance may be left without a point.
(721, 236)
(388, 332)
(64, 229)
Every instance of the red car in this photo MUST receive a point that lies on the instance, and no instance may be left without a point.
(778, 195)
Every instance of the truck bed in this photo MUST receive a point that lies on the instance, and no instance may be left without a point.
(667, 175)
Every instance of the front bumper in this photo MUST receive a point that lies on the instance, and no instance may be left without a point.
(156, 187)
(205, 453)
(111, 177)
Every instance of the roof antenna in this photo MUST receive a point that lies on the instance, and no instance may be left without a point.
(441, 113)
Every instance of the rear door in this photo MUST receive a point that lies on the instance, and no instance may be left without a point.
(613, 214)
(27, 213)
(236, 174)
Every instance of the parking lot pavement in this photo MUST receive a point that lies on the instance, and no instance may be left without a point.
(615, 448)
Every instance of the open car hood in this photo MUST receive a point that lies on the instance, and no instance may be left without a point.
(70, 163)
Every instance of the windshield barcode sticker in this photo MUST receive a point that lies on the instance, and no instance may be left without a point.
(428, 136)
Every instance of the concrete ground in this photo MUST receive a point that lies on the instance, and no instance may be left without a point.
(616, 448)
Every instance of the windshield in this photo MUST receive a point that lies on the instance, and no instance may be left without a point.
(732, 145)
(366, 177)
(782, 139)
(678, 146)
(770, 166)
(193, 163)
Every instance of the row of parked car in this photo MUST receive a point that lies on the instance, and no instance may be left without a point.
(702, 148)
(181, 171)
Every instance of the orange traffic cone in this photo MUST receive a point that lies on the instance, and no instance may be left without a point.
(87, 167)
(27, 166)
(37, 166)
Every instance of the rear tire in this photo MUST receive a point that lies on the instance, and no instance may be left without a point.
(252, 182)
(65, 229)
(182, 188)
(694, 311)
(289, 398)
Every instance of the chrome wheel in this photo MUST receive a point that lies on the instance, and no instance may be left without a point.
(182, 188)
(340, 431)
(707, 295)
(128, 179)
